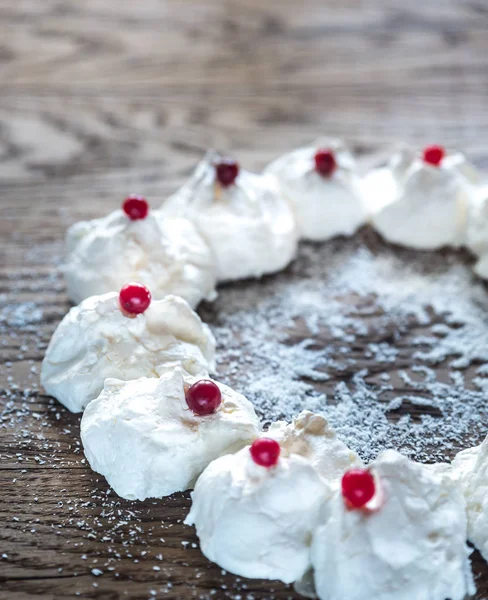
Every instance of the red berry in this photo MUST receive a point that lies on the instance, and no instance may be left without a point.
(226, 172)
(203, 397)
(325, 162)
(433, 155)
(265, 452)
(135, 207)
(358, 487)
(134, 298)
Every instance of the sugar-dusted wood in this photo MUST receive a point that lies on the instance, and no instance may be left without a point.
(98, 98)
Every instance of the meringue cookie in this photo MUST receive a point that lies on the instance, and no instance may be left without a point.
(477, 232)
(248, 225)
(481, 267)
(258, 522)
(470, 470)
(419, 205)
(324, 206)
(96, 340)
(142, 437)
(412, 546)
(166, 255)
(310, 436)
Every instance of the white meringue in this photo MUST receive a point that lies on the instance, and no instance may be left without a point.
(310, 436)
(96, 340)
(324, 206)
(248, 225)
(166, 255)
(481, 267)
(412, 546)
(142, 437)
(477, 232)
(419, 205)
(258, 522)
(470, 470)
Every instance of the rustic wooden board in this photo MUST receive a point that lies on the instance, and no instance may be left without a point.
(98, 98)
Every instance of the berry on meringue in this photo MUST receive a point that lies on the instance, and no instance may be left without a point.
(358, 487)
(226, 171)
(135, 207)
(325, 162)
(134, 298)
(143, 438)
(203, 397)
(265, 452)
(167, 255)
(310, 436)
(322, 183)
(433, 155)
(412, 546)
(422, 201)
(97, 340)
(242, 216)
(255, 514)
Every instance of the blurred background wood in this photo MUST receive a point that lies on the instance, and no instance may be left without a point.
(102, 97)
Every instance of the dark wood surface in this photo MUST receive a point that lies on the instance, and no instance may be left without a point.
(100, 97)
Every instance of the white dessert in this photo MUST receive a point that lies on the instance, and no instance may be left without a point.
(248, 224)
(310, 436)
(143, 438)
(324, 206)
(166, 255)
(97, 340)
(470, 469)
(412, 546)
(420, 205)
(258, 522)
(481, 267)
(477, 232)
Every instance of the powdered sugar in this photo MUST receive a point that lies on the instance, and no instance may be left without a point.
(368, 335)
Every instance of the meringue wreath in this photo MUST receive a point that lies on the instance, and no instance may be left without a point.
(292, 501)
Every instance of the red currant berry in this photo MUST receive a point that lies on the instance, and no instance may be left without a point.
(325, 162)
(433, 155)
(134, 298)
(358, 487)
(226, 172)
(265, 452)
(135, 207)
(203, 397)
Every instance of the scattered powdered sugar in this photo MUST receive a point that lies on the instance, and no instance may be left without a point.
(389, 344)
(20, 315)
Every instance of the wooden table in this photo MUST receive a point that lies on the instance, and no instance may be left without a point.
(102, 97)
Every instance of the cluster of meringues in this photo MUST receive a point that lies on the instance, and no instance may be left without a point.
(291, 502)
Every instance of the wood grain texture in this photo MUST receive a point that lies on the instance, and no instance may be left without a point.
(98, 98)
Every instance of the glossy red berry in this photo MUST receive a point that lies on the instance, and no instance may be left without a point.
(134, 298)
(226, 172)
(135, 207)
(325, 162)
(265, 452)
(433, 155)
(358, 487)
(203, 397)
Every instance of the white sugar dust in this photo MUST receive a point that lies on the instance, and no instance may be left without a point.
(390, 345)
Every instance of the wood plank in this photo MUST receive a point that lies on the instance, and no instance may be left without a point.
(99, 98)
(240, 43)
